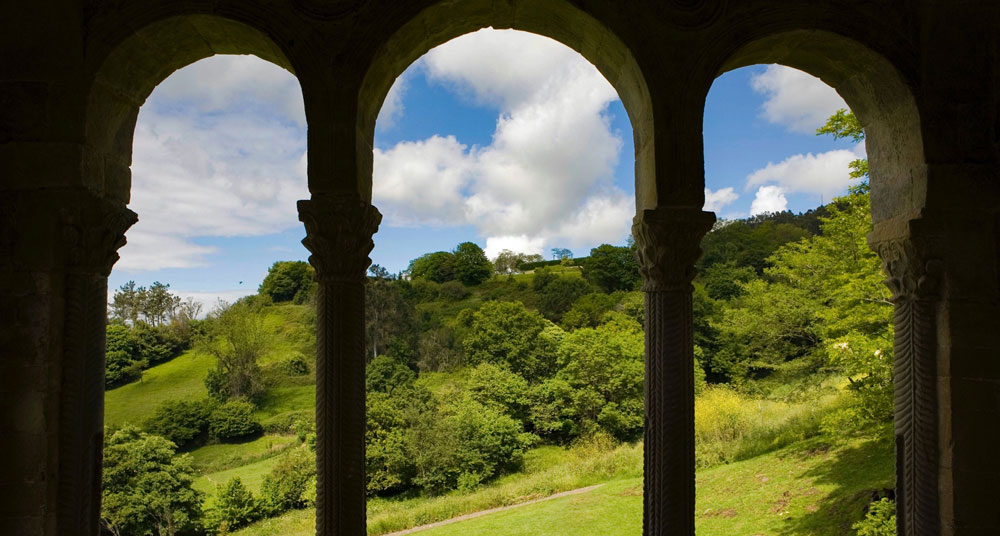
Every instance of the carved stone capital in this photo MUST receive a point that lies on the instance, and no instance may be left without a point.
(91, 232)
(911, 259)
(339, 231)
(668, 244)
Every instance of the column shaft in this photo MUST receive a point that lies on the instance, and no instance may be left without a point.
(339, 233)
(667, 241)
(340, 408)
(668, 466)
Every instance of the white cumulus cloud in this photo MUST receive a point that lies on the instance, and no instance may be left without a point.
(547, 176)
(799, 101)
(826, 174)
(768, 199)
(719, 199)
(213, 156)
(518, 244)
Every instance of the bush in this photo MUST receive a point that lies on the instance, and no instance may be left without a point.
(453, 290)
(284, 488)
(464, 445)
(233, 420)
(234, 507)
(181, 421)
(879, 521)
(296, 364)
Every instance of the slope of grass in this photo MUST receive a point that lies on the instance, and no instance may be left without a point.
(812, 488)
(251, 474)
(183, 378)
(222, 456)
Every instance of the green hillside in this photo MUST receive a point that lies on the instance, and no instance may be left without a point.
(488, 390)
(808, 489)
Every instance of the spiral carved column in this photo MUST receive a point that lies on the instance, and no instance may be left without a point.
(90, 232)
(339, 233)
(667, 241)
(913, 274)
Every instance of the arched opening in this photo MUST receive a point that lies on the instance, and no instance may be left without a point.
(514, 141)
(209, 150)
(793, 323)
(885, 108)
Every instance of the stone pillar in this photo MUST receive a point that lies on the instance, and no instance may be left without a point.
(914, 271)
(53, 365)
(667, 241)
(339, 233)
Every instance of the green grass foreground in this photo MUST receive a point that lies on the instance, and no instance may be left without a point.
(811, 488)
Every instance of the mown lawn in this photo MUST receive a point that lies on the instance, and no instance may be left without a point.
(812, 488)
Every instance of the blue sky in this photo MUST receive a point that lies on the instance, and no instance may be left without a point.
(503, 138)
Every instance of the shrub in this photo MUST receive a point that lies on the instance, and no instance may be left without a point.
(879, 521)
(388, 461)
(295, 364)
(180, 421)
(385, 374)
(284, 488)
(721, 414)
(453, 290)
(464, 445)
(234, 507)
(500, 388)
(233, 420)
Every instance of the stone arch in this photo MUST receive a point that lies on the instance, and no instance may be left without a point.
(130, 71)
(878, 94)
(883, 101)
(556, 19)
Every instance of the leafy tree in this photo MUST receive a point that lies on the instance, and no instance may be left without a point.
(287, 281)
(588, 311)
(180, 421)
(385, 374)
(146, 489)
(159, 305)
(844, 124)
(502, 389)
(748, 243)
(233, 420)
(239, 341)
(389, 464)
(507, 334)
(472, 267)
(604, 366)
(463, 445)
(437, 267)
(388, 315)
(234, 507)
(508, 262)
(612, 268)
(123, 361)
(561, 253)
(559, 294)
(126, 304)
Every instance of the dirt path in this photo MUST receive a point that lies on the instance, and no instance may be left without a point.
(493, 510)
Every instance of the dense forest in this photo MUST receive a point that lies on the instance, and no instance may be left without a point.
(472, 363)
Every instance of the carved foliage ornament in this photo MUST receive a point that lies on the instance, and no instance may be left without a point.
(339, 231)
(92, 232)
(910, 272)
(667, 246)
